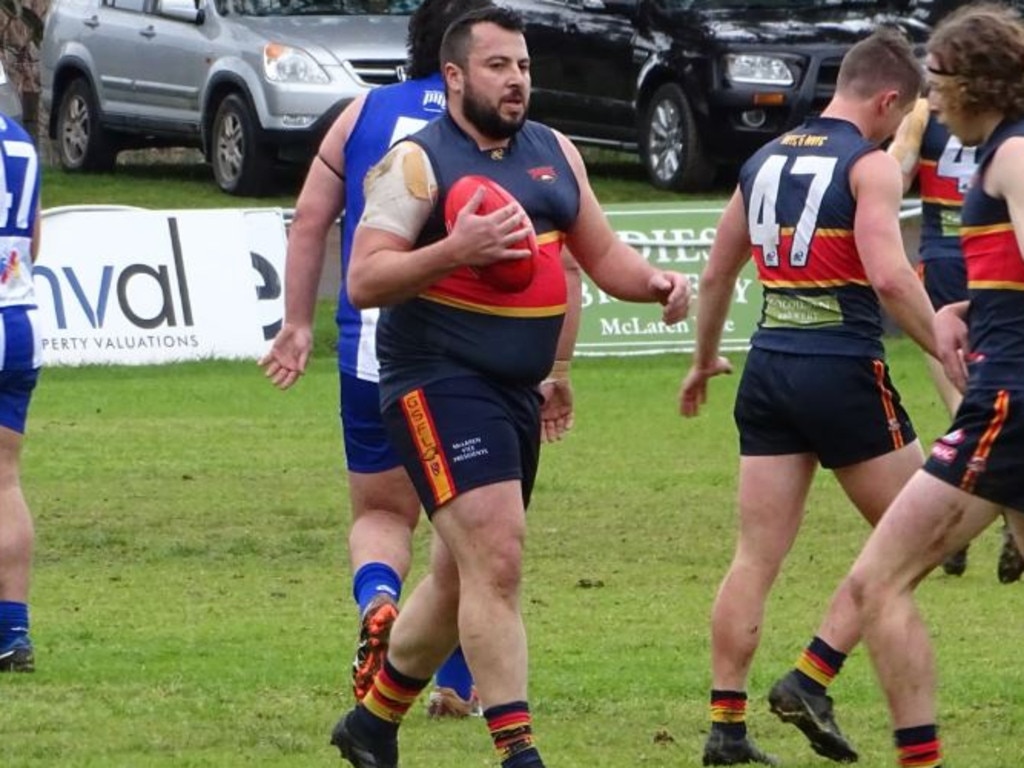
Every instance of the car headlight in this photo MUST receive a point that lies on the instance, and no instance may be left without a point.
(284, 64)
(757, 69)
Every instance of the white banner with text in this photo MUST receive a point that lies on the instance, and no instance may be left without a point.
(134, 286)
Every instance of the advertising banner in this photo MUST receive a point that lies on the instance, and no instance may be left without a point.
(670, 236)
(133, 286)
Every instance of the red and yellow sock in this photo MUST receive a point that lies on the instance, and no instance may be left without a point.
(392, 693)
(729, 712)
(511, 730)
(818, 666)
(919, 747)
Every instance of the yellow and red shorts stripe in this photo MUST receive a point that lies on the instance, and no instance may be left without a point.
(885, 394)
(428, 446)
(1000, 410)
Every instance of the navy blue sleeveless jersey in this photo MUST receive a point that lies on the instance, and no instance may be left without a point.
(995, 279)
(800, 214)
(944, 172)
(389, 113)
(460, 325)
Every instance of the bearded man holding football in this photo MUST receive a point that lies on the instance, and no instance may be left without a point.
(462, 351)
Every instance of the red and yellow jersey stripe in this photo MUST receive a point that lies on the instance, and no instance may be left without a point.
(940, 190)
(544, 297)
(832, 261)
(993, 257)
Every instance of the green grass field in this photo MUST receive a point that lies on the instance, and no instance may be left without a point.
(166, 182)
(191, 601)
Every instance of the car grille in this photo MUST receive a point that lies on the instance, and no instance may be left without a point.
(828, 74)
(377, 71)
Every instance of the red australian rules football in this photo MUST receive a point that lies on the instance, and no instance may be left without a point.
(509, 276)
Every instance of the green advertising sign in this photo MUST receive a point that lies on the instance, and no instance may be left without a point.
(670, 236)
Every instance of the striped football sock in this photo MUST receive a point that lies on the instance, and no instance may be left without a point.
(818, 666)
(729, 712)
(388, 699)
(919, 747)
(512, 732)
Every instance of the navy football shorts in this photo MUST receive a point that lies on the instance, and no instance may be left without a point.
(945, 280)
(843, 409)
(463, 433)
(15, 393)
(983, 452)
(20, 360)
(367, 448)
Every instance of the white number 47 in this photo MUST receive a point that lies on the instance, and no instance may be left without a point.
(762, 218)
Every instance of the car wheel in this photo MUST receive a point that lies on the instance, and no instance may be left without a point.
(240, 165)
(82, 144)
(670, 146)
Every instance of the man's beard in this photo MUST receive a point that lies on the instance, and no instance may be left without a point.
(489, 121)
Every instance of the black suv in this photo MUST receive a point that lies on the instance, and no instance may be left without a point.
(693, 84)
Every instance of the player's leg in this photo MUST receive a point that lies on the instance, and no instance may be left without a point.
(421, 638)
(929, 520)
(973, 474)
(800, 697)
(872, 486)
(772, 495)
(17, 535)
(463, 442)
(869, 443)
(385, 511)
(776, 469)
(945, 281)
(1010, 566)
(956, 563)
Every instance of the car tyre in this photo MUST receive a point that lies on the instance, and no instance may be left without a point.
(670, 145)
(82, 144)
(241, 166)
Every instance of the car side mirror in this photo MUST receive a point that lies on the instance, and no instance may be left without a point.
(191, 11)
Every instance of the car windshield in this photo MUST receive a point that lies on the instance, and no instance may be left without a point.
(325, 7)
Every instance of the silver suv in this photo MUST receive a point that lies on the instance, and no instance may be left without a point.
(249, 82)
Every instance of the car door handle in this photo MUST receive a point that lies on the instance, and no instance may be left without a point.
(92, 22)
(148, 31)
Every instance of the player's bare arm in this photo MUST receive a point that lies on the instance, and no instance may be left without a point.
(556, 413)
(318, 207)
(906, 144)
(951, 342)
(1004, 179)
(320, 202)
(876, 183)
(616, 267)
(401, 192)
(729, 252)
